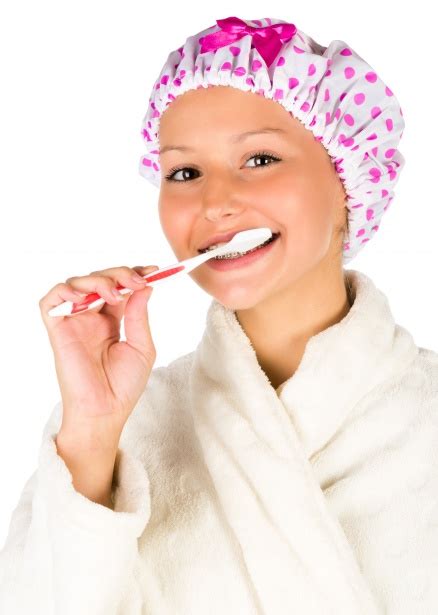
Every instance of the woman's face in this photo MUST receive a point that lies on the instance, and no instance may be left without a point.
(228, 185)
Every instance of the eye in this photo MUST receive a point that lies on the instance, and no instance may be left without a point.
(170, 176)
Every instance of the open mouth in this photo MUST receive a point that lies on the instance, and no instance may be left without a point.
(230, 255)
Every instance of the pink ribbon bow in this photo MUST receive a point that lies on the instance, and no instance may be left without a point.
(268, 40)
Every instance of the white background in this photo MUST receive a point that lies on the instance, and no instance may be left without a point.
(76, 78)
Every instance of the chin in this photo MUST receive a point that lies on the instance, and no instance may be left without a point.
(238, 298)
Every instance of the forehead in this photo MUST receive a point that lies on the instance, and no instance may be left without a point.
(220, 110)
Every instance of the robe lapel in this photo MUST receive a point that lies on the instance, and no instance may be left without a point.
(256, 446)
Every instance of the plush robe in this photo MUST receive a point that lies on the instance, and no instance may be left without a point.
(233, 498)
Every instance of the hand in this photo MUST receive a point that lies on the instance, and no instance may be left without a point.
(100, 377)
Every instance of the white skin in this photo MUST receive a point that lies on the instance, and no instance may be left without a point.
(298, 289)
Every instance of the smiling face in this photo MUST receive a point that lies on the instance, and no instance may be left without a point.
(227, 184)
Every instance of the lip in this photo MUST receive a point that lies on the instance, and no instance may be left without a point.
(221, 238)
(242, 261)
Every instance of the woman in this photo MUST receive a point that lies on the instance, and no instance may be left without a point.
(289, 463)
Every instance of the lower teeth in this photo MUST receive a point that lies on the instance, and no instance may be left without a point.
(237, 254)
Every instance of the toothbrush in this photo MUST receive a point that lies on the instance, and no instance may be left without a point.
(241, 242)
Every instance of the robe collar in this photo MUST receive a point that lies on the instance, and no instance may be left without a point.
(340, 365)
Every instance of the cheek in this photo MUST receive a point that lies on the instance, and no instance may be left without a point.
(177, 224)
(307, 218)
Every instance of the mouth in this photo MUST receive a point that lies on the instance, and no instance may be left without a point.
(234, 255)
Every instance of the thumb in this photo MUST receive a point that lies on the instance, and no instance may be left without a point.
(136, 319)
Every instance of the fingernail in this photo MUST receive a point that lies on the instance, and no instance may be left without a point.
(116, 294)
(79, 294)
(137, 277)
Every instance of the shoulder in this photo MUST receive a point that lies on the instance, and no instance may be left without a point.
(419, 384)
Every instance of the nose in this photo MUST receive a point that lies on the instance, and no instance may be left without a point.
(220, 199)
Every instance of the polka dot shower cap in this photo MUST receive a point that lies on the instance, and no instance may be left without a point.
(331, 90)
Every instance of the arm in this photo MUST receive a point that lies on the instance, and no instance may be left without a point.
(67, 554)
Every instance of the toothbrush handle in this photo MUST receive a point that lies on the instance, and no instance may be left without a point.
(92, 300)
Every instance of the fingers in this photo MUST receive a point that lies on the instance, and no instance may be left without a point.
(137, 329)
(57, 295)
(101, 282)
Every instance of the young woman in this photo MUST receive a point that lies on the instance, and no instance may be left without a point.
(289, 463)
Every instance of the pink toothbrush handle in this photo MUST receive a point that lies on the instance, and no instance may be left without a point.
(83, 305)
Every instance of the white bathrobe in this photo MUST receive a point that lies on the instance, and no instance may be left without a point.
(232, 498)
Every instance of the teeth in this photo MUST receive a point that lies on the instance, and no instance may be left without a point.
(236, 254)
(216, 245)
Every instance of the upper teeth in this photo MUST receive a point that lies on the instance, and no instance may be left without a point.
(216, 245)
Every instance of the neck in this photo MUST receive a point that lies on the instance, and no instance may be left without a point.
(280, 326)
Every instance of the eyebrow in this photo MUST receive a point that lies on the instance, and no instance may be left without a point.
(234, 139)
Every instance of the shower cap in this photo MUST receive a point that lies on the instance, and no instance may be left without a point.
(331, 90)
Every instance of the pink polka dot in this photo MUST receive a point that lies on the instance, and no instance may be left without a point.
(278, 95)
(281, 61)
(326, 95)
(239, 71)
(342, 96)
(370, 214)
(349, 72)
(372, 137)
(298, 49)
(311, 70)
(147, 162)
(389, 124)
(226, 66)
(371, 77)
(177, 82)
(256, 65)
(359, 98)
(155, 166)
(375, 112)
(389, 152)
(305, 106)
(345, 52)
(376, 174)
(349, 119)
(235, 51)
(249, 81)
(360, 232)
(374, 151)
(293, 82)
(164, 79)
(388, 92)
